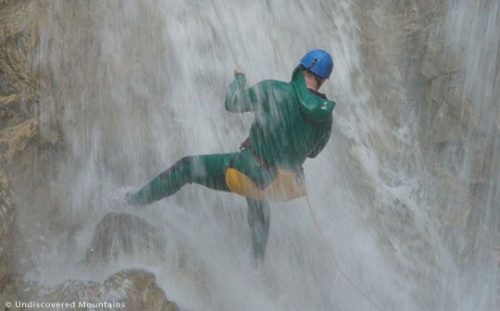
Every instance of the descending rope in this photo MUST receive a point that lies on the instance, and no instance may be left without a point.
(224, 32)
(497, 300)
(475, 277)
(344, 275)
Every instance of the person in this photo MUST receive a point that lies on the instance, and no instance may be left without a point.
(293, 121)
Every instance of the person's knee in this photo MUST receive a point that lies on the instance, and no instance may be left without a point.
(178, 170)
(258, 213)
(185, 165)
(187, 160)
(183, 162)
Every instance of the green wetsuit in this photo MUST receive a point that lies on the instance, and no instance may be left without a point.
(291, 124)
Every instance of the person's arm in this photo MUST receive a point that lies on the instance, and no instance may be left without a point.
(239, 98)
(323, 140)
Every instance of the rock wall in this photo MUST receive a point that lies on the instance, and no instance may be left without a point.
(6, 223)
(125, 290)
(18, 100)
(30, 144)
(412, 71)
(421, 80)
(121, 235)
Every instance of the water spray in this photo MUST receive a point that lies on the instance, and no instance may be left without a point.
(224, 32)
(344, 274)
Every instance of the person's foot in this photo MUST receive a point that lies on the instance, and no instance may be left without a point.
(120, 198)
(133, 198)
(129, 198)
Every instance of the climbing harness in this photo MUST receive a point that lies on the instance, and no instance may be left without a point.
(285, 187)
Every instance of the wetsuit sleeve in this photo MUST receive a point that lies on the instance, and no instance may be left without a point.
(239, 98)
(323, 140)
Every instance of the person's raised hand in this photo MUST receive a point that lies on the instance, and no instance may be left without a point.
(238, 70)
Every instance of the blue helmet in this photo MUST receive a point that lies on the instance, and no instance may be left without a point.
(319, 62)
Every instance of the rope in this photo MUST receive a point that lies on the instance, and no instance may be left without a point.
(497, 298)
(344, 275)
(224, 32)
(475, 277)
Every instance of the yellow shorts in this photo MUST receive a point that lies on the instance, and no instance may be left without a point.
(287, 186)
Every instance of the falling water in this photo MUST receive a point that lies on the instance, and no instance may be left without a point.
(475, 38)
(136, 85)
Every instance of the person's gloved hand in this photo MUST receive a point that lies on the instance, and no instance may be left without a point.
(238, 70)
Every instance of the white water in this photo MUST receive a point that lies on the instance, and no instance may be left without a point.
(142, 84)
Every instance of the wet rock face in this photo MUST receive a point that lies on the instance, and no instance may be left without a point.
(17, 126)
(21, 145)
(18, 98)
(417, 74)
(6, 221)
(119, 234)
(414, 66)
(406, 63)
(125, 290)
(16, 138)
(18, 82)
(133, 289)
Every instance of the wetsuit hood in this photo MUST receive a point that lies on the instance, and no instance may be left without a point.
(313, 106)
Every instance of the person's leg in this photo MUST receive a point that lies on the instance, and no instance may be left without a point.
(206, 170)
(258, 219)
(260, 174)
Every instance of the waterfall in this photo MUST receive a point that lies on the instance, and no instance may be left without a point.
(406, 192)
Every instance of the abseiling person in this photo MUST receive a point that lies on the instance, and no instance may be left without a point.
(293, 121)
